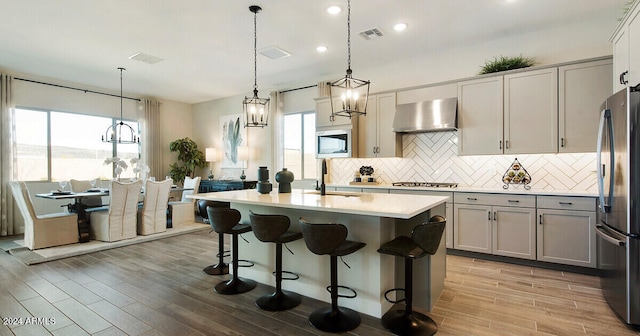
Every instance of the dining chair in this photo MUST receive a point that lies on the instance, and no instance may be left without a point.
(44, 230)
(120, 222)
(152, 218)
(82, 186)
(184, 211)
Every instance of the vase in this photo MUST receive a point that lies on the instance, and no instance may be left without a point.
(284, 179)
(263, 186)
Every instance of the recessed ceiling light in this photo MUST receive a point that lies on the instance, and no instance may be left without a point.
(322, 48)
(333, 10)
(400, 26)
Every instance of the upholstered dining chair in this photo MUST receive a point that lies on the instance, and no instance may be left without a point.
(45, 230)
(82, 186)
(120, 221)
(184, 211)
(152, 218)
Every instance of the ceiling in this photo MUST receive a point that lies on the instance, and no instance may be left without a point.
(207, 45)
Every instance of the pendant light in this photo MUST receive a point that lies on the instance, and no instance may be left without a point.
(353, 92)
(120, 132)
(256, 110)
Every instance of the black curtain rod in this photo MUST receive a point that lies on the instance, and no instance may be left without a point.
(72, 88)
(300, 88)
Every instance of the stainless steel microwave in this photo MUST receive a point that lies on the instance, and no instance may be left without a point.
(336, 143)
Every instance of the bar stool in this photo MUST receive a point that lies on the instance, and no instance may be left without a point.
(425, 239)
(228, 221)
(221, 267)
(331, 239)
(273, 229)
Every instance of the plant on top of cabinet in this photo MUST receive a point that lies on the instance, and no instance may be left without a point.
(189, 157)
(504, 63)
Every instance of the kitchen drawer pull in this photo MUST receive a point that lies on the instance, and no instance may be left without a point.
(513, 201)
(472, 199)
(565, 203)
(489, 215)
(540, 219)
(500, 145)
(495, 216)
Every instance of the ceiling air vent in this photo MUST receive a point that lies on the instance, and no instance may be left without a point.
(371, 34)
(273, 52)
(146, 58)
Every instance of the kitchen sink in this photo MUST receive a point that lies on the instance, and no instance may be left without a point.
(333, 193)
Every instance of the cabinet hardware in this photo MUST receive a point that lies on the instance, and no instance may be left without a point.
(472, 199)
(561, 142)
(506, 144)
(500, 145)
(565, 203)
(623, 79)
(489, 215)
(540, 219)
(495, 216)
(513, 201)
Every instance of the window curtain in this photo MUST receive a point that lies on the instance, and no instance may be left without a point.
(276, 108)
(151, 137)
(7, 158)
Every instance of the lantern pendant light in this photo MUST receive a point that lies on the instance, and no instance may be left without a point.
(256, 110)
(353, 92)
(120, 132)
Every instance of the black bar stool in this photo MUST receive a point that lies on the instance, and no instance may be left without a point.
(221, 267)
(425, 239)
(273, 229)
(228, 221)
(331, 239)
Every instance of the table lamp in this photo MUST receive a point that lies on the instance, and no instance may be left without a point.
(210, 156)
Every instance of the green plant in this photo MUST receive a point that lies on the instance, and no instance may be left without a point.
(504, 63)
(189, 157)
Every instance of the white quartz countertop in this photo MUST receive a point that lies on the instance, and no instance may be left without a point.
(512, 190)
(367, 204)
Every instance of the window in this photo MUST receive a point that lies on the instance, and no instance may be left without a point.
(299, 144)
(55, 146)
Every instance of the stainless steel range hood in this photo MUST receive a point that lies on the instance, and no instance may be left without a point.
(427, 116)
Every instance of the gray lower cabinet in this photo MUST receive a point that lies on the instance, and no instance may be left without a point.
(495, 224)
(566, 230)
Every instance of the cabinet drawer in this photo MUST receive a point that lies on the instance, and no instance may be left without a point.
(567, 203)
(495, 199)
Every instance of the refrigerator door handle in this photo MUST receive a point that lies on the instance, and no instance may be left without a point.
(600, 232)
(605, 118)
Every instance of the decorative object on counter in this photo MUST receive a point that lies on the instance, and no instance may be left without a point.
(356, 177)
(367, 176)
(353, 92)
(284, 179)
(504, 63)
(516, 174)
(263, 186)
(256, 109)
(243, 176)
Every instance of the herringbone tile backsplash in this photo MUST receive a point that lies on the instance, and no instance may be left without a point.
(433, 157)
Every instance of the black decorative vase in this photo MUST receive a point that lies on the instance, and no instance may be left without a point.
(263, 185)
(284, 179)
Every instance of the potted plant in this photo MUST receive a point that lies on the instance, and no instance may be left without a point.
(189, 157)
(504, 63)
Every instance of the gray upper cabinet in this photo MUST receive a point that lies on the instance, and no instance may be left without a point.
(480, 115)
(626, 50)
(324, 117)
(582, 88)
(375, 134)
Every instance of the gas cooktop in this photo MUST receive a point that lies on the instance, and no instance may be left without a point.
(425, 184)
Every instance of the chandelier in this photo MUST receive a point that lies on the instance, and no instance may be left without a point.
(256, 109)
(120, 132)
(353, 92)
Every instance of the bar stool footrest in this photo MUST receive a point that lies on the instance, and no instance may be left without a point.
(225, 254)
(247, 263)
(293, 276)
(344, 295)
(394, 290)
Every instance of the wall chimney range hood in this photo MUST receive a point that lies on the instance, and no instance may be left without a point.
(427, 116)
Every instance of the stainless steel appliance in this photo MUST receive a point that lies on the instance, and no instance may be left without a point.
(427, 116)
(618, 226)
(336, 143)
(425, 184)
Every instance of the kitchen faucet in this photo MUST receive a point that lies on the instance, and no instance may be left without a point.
(324, 171)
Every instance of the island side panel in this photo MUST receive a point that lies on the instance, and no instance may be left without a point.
(371, 274)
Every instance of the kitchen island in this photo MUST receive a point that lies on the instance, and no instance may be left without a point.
(371, 218)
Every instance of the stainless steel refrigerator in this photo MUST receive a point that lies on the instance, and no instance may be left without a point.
(618, 225)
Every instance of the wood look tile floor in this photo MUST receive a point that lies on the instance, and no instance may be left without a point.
(158, 288)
